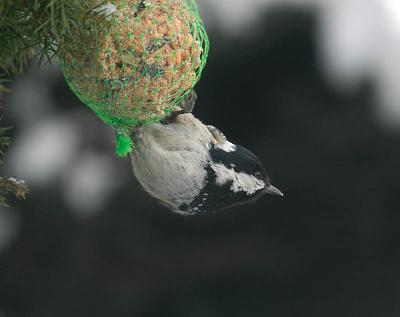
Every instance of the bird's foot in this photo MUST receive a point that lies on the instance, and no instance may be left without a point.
(186, 106)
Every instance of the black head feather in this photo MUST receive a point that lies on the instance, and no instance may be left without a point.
(214, 197)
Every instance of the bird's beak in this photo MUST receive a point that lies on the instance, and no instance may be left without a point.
(273, 191)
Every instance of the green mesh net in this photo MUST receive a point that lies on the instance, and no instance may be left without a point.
(138, 63)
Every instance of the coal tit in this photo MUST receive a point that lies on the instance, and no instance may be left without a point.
(193, 169)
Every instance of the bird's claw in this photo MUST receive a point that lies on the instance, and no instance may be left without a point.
(186, 106)
(189, 102)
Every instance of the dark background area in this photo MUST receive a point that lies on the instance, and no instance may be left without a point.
(329, 248)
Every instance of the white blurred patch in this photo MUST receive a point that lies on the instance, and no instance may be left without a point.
(238, 17)
(360, 39)
(9, 228)
(43, 151)
(232, 15)
(30, 98)
(89, 183)
(393, 10)
(346, 39)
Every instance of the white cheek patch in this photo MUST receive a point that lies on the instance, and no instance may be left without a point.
(247, 183)
(224, 174)
(226, 146)
(242, 182)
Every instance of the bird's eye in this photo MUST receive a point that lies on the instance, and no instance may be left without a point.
(258, 174)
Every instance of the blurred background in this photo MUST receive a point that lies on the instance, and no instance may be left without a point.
(312, 88)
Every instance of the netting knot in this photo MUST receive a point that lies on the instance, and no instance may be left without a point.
(124, 145)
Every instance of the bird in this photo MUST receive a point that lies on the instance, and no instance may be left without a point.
(192, 168)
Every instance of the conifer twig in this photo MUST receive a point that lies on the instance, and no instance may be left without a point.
(41, 29)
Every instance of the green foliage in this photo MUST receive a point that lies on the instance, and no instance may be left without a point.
(40, 28)
(36, 29)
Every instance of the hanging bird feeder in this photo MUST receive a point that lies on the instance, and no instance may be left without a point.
(138, 63)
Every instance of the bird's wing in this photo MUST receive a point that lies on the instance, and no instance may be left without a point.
(219, 137)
